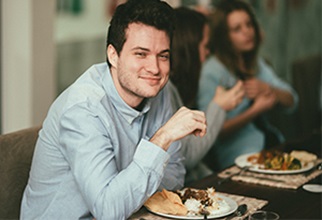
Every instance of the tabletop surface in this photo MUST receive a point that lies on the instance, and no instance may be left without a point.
(288, 203)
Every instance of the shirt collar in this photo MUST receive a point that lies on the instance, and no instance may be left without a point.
(126, 111)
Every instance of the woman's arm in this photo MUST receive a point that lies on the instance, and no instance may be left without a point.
(255, 87)
(194, 149)
(261, 104)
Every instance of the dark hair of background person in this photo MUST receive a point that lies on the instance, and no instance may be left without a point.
(153, 13)
(220, 43)
(186, 64)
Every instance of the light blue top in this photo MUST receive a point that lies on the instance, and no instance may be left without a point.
(93, 156)
(249, 138)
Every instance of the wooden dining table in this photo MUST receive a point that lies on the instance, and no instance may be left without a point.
(287, 203)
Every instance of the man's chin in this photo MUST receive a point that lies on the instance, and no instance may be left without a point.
(153, 91)
(152, 94)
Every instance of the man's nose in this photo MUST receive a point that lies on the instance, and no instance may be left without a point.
(152, 65)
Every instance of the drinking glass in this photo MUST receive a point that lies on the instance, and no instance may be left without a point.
(264, 215)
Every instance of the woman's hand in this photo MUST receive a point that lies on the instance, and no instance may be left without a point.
(229, 99)
(264, 102)
(255, 87)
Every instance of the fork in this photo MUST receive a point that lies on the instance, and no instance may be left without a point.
(242, 170)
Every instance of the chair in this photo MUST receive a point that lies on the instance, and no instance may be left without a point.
(307, 82)
(16, 151)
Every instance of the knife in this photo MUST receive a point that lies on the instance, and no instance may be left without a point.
(262, 178)
(242, 170)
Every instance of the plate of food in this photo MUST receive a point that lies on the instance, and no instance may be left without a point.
(277, 162)
(190, 203)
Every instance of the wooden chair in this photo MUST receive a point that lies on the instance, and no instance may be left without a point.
(16, 151)
(307, 82)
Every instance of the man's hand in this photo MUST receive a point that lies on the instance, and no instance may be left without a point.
(181, 124)
(229, 99)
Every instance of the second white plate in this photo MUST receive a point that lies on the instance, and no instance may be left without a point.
(241, 161)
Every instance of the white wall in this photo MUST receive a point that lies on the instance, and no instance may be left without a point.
(27, 70)
(91, 23)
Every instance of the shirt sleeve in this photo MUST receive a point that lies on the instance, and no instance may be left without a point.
(110, 193)
(195, 148)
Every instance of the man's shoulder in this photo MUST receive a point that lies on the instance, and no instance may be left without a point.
(87, 89)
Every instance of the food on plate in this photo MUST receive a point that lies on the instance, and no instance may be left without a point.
(192, 202)
(166, 202)
(198, 201)
(304, 156)
(275, 160)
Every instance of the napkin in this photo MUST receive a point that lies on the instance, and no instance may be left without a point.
(253, 204)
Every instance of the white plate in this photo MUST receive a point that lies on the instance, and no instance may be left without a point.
(241, 161)
(232, 208)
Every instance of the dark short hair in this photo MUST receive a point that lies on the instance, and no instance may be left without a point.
(153, 13)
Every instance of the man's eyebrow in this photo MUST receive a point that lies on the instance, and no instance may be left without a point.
(145, 49)
(165, 51)
(140, 48)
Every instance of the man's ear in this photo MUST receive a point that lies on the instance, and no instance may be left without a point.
(112, 55)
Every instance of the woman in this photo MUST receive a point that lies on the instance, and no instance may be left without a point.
(189, 51)
(235, 41)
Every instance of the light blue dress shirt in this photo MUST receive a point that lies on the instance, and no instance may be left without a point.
(93, 156)
(249, 138)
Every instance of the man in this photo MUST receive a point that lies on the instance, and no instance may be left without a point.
(109, 141)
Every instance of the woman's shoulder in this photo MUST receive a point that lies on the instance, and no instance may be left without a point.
(264, 62)
(213, 64)
(213, 61)
(265, 66)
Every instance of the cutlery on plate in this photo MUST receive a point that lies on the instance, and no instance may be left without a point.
(318, 166)
(243, 169)
(241, 210)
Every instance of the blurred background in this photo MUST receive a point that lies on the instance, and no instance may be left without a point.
(46, 45)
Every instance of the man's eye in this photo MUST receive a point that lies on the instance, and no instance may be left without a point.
(164, 56)
(140, 54)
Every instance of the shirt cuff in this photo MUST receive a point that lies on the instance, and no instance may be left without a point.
(151, 156)
(215, 109)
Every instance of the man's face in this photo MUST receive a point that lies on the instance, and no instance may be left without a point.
(142, 68)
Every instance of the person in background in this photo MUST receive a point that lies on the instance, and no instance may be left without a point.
(189, 50)
(234, 44)
(109, 141)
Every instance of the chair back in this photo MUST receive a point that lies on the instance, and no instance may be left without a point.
(16, 151)
(307, 82)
